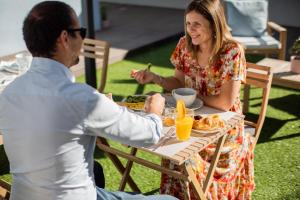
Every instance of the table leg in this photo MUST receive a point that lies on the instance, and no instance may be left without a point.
(127, 170)
(118, 164)
(193, 181)
(213, 164)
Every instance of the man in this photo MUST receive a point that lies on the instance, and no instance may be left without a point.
(50, 123)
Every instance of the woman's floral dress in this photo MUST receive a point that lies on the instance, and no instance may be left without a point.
(234, 176)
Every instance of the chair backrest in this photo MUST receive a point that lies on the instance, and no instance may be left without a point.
(261, 77)
(4, 190)
(98, 50)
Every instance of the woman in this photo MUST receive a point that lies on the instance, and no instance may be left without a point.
(210, 61)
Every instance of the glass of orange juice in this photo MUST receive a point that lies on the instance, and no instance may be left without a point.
(184, 125)
(168, 117)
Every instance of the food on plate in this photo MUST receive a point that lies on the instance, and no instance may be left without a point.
(209, 122)
(136, 99)
(133, 106)
(168, 121)
(134, 102)
(133, 72)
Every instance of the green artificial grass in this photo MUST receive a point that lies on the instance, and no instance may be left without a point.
(277, 154)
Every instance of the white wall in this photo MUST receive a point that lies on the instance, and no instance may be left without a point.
(285, 12)
(12, 14)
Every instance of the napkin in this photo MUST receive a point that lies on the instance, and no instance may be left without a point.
(9, 66)
(5, 80)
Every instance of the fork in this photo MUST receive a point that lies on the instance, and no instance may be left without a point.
(165, 138)
(149, 66)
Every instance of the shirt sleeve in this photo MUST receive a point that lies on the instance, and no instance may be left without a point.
(107, 119)
(233, 67)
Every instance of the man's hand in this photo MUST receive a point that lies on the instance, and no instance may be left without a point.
(155, 104)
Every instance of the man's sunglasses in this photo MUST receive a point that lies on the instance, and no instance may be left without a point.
(82, 31)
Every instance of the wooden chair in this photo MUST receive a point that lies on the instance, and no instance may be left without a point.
(239, 15)
(261, 77)
(98, 50)
(266, 45)
(4, 190)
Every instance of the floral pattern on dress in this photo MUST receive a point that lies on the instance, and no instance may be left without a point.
(234, 175)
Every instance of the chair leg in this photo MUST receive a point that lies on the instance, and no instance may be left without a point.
(118, 164)
(193, 181)
(127, 170)
(213, 164)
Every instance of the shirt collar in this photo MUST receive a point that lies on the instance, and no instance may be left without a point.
(42, 64)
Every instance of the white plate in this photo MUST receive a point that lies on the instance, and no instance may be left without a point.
(206, 131)
(171, 102)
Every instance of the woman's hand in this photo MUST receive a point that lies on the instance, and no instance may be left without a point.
(143, 76)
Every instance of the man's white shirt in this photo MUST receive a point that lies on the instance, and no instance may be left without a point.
(49, 125)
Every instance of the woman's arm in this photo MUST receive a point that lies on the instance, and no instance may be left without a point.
(225, 100)
(170, 83)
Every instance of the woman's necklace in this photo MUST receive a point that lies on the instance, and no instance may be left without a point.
(202, 59)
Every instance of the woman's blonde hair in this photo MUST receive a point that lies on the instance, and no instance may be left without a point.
(212, 10)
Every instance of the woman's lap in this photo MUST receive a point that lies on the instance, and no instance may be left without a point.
(233, 177)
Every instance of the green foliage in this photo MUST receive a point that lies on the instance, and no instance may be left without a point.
(296, 47)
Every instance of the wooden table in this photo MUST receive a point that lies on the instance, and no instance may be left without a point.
(179, 152)
(282, 74)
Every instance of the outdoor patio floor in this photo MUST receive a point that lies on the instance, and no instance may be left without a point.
(133, 27)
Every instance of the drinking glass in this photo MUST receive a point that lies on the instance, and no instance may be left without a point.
(168, 117)
(184, 125)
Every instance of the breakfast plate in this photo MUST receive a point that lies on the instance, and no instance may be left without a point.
(208, 124)
(134, 102)
(212, 130)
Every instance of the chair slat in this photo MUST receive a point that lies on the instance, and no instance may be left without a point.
(93, 48)
(91, 55)
(257, 75)
(95, 42)
(259, 67)
(257, 83)
(250, 123)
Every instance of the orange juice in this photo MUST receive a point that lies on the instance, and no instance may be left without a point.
(183, 128)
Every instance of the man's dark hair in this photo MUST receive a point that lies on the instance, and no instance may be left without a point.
(43, 25)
